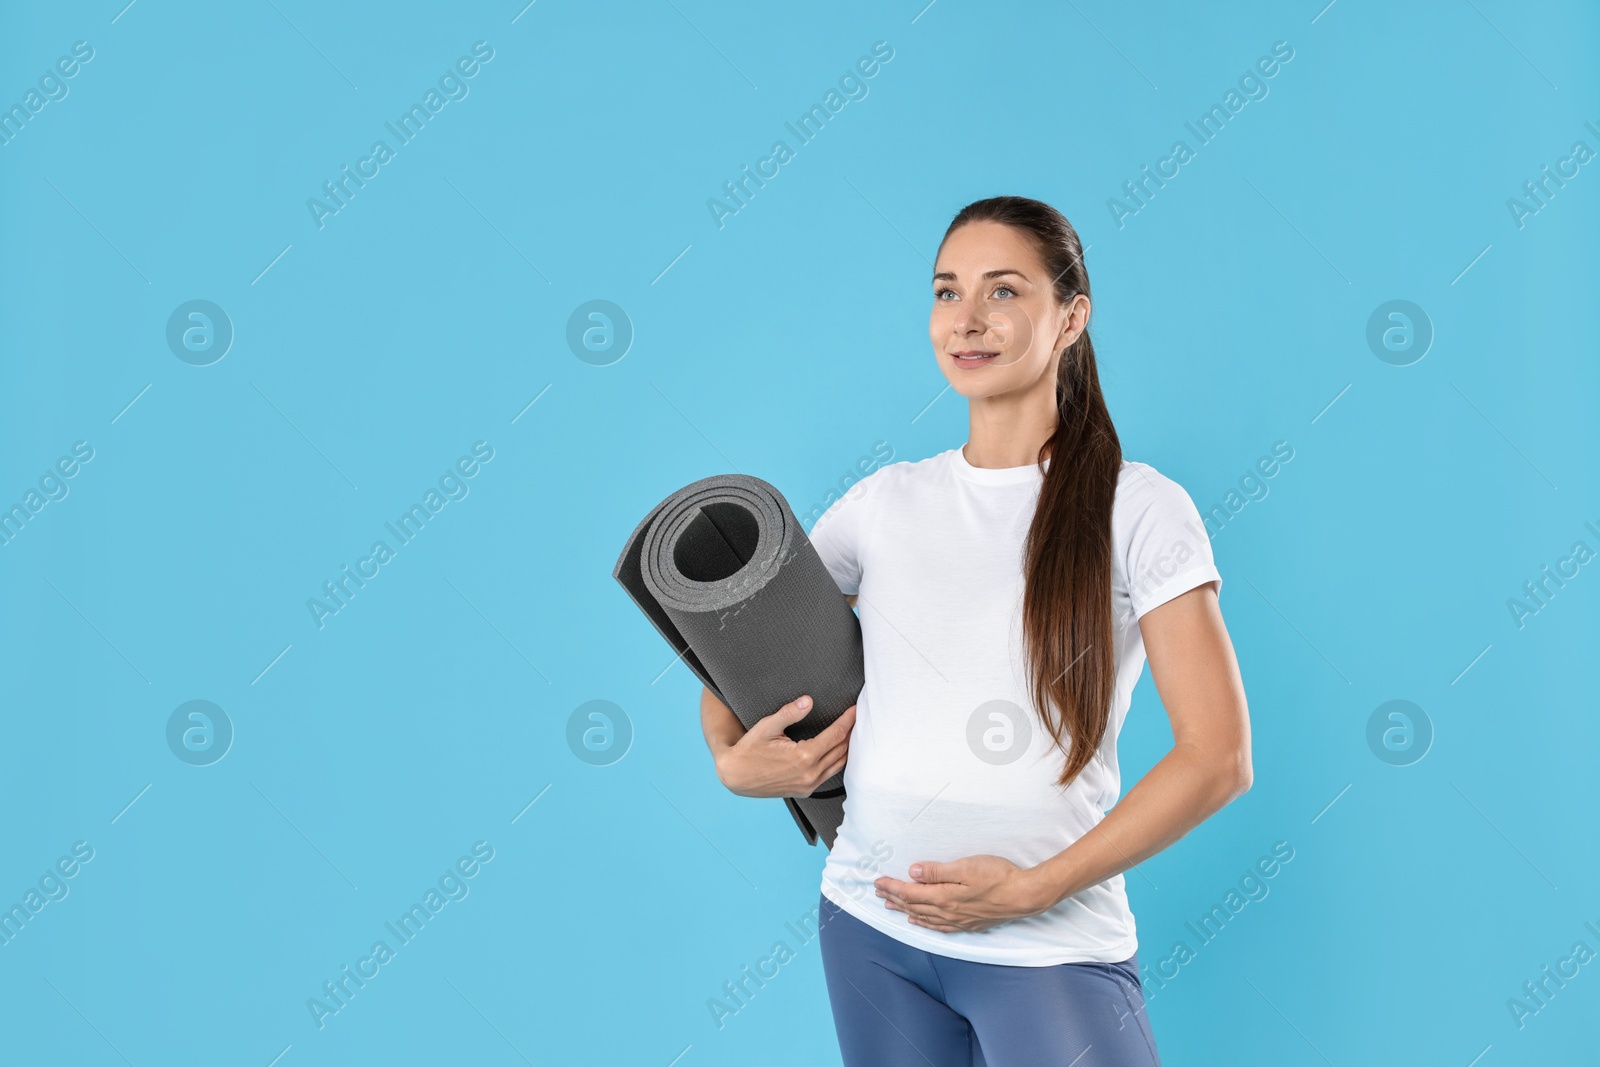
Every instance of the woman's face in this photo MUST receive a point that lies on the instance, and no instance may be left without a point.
(993, 299)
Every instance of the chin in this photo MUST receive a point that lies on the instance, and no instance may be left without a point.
(975, 389)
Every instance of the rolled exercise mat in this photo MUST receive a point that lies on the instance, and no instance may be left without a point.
(725, 573)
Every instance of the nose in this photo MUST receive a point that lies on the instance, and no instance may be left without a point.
(986, 324)
(972, 320)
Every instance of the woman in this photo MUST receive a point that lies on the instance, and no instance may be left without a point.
(993, 581)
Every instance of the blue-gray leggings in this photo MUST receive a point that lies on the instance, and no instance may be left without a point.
(898, 1006)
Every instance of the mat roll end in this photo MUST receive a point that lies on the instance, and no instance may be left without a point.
(801, 820)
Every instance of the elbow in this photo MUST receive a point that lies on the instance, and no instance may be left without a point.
(722, 772)
(1242, 775)
(1230, 775)
(1223, 771)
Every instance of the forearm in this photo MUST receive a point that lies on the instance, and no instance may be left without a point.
(720, 725)
(1181, 791)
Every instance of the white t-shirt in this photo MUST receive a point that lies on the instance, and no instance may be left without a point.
(948, 757)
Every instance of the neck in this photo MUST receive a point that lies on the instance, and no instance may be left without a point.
(1008, 430)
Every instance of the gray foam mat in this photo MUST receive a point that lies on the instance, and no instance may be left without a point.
(725, 573)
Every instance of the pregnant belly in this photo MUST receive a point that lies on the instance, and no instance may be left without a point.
(885, 831)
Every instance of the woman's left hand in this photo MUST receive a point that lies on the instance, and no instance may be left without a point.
(969, 894)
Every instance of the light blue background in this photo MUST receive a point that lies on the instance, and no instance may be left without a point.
(1230, 313)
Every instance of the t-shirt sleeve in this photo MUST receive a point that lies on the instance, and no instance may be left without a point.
(1165, 547)
(837, 536)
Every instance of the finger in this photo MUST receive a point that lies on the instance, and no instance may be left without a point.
(930, 913)
(915, 893)
(896, 896)
(821, 755)
(892, 886)
(838, 730)
(912, 907)
(812, 759)
(772, 725)
(823, 748)
(828, 771)
(922, 913)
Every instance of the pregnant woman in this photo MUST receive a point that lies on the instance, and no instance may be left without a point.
(973, 910)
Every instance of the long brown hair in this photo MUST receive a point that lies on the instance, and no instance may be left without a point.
(1066, 608)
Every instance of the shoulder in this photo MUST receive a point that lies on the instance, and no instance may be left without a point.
(898, 476)
(908, 472)
(1147, 498)
(1139, 485)
(884, 480)
(1161, 546)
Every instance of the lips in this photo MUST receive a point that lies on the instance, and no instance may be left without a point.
(973, 358)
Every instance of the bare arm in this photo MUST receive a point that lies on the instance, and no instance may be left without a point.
(1196, 673)
(1192, 662)
(721, 726)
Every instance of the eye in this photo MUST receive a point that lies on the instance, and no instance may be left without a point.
(938, 294)
(1007, 288)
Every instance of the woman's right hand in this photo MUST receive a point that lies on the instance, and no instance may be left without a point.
(766, 763)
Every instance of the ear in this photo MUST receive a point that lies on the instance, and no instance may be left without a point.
(1074, 323)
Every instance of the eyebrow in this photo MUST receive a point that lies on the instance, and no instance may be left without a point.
(945, 275)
